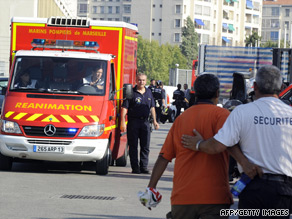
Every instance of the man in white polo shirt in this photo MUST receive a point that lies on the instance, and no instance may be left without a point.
(263, 129)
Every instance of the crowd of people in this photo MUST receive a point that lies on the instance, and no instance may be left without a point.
(201, 140)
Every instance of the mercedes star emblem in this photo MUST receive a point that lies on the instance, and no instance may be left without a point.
(50, 130)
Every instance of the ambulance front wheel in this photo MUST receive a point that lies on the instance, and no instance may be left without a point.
(5, 162)
(103, 164)
(171, 116)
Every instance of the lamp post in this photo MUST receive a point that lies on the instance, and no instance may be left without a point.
(176, 74)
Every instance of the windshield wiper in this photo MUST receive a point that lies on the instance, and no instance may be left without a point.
(24, 88)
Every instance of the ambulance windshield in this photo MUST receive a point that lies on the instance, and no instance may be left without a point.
(59, 75)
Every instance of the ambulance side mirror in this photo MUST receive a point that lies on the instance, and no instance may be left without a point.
(127, 91)
(3, 91)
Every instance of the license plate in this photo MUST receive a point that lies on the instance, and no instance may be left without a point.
(48, 149)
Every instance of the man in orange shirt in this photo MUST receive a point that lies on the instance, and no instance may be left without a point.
(200, 182)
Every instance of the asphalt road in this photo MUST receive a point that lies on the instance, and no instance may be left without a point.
(42, 190)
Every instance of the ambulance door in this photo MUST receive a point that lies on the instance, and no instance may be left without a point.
(112, 105)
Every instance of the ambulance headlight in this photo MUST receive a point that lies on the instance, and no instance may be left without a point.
(92, 130)
(10, 127)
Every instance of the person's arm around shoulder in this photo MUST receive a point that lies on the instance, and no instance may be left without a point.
(123, 119)
(197, 143)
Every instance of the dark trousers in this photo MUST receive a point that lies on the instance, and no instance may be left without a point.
(158, 113)
(206, 211)
(268, 194)
(138, 129)
(178, 110)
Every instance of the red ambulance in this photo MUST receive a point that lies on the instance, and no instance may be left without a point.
(52, 111)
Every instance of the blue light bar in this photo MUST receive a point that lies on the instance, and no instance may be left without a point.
(72, 130)
(39, 41)
(90, 44)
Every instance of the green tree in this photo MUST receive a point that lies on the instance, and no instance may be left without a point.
(273, 44)
(252, 39)
(155, 60)
(189, 45)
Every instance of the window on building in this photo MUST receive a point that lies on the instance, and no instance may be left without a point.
(127, 0)
(160, 19)
(102, 19)
(275, 23)
(117, 9)
(206, 25)
(206, 11)
(215, 14)
(126, 19)
(159, 34)
(102, 9)
(109, 19)
(153, 19)
(177, 23)
(274, 35)
(205, 39)
(83, 8)
(127, 9)
(110, 0)
(275, 11)
(199, 38)
(256, 6)
(176, 37)
(94, 10)
(225, 14)
(160, 6)
(185, 9)
(231, 15)
(198, 9)
(263, 23)
(214, 28)
(286, 25)
(287, 12)
(178, 9)
(118, 1)
(110, 9)
(153, 6)
(152, 34)
(117, 19)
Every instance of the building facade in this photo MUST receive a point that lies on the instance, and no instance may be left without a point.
(277, 21)
(28, 8)
(218, 22)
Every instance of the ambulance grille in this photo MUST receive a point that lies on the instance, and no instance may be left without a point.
(49, 142)
(71, 22)
(39, 131)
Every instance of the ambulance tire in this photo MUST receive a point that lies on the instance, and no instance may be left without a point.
(122, 161)
(171, 116)
(5, 162)
(103, 164)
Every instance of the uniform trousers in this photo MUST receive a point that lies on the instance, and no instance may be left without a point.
(271, 194)
(138, 129)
